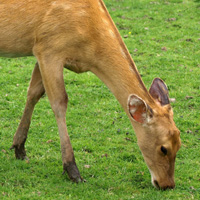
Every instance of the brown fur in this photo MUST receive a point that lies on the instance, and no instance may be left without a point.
(81, 36)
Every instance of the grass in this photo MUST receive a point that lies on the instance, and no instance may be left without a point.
(163, 39)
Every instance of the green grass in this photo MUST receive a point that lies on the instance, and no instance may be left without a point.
(163, 38)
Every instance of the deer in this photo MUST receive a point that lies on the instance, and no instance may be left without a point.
(81, 36)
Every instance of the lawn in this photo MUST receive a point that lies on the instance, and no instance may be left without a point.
(163, 38)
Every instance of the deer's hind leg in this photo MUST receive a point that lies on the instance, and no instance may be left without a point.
(35, 92)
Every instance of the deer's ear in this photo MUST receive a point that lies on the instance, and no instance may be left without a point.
(139, 110)
(159, 92)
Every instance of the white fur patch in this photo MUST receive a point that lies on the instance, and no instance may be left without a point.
(132, 110)
(144, 115)
(152, 178)
(134, 102)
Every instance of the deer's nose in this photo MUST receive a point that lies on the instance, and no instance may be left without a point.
(165, 186)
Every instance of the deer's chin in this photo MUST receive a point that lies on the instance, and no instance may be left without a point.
(155, 183)
(153, 180)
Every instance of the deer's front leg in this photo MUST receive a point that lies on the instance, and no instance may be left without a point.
(52, 76)
(35, 91)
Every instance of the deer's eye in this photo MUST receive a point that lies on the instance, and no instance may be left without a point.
(164, 150)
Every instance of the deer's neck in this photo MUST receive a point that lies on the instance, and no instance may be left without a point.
(121, 77)
(114, 65)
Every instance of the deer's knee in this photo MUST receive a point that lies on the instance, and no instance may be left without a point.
(59, 106)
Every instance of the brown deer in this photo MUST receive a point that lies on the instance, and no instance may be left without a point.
(81, 36)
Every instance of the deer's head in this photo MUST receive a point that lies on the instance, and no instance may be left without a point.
(157, 134)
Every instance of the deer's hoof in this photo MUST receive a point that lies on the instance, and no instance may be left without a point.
(20, 152)
(72, 172)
